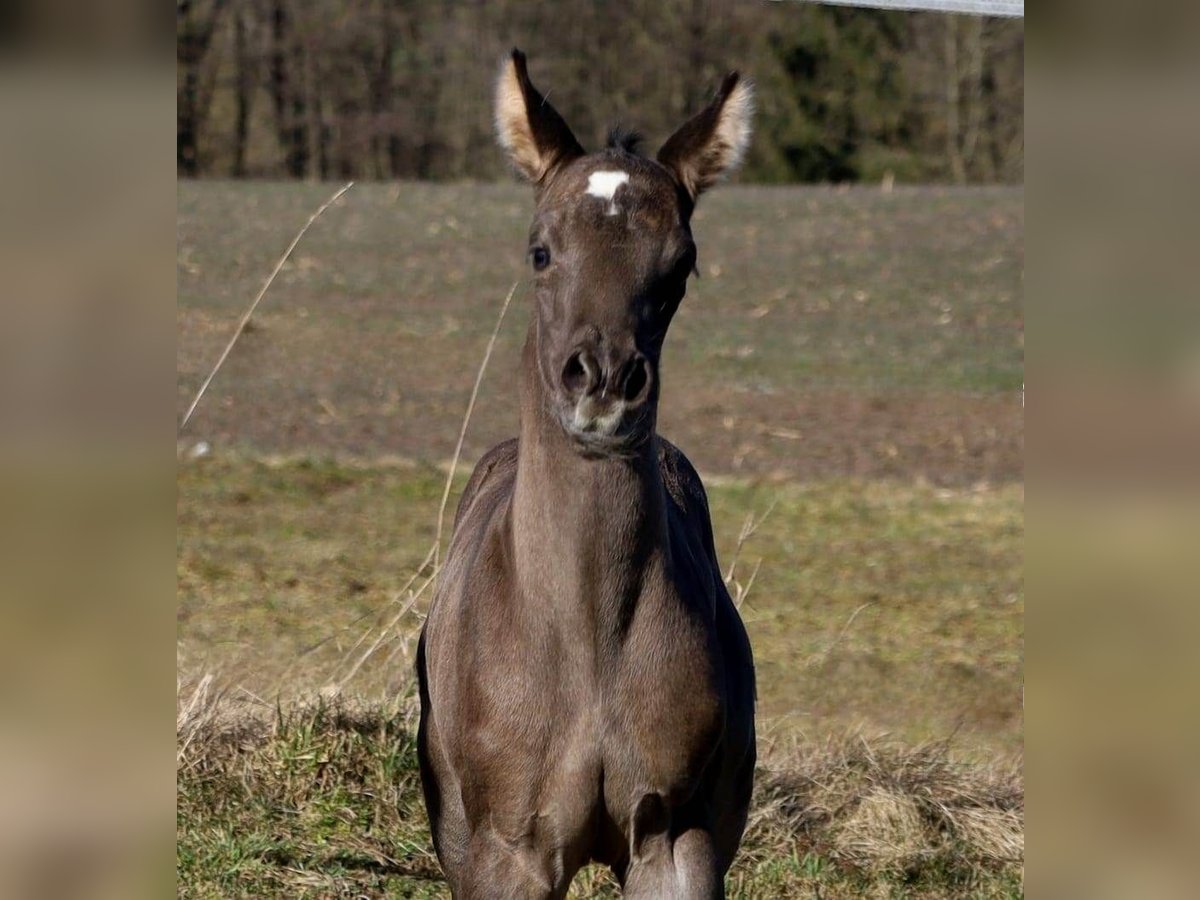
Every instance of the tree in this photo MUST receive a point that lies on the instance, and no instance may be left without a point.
(403, 88)
(195, 24)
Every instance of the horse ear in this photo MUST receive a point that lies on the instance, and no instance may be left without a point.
(712, 142)
(530, 129)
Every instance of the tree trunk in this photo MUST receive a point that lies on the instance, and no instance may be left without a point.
(314, 131)
(245, 90)
(186, 136)
(973, 41)
(286, 98)
(191, 47)
(953, 150)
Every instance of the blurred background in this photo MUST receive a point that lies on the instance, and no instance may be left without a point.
(402, 90)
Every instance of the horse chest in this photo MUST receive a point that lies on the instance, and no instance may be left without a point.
(665, 716)
(563, 726)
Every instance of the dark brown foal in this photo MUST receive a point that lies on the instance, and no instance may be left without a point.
(587, 687)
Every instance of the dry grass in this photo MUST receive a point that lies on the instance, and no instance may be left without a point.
(880, 806)
(321, 798)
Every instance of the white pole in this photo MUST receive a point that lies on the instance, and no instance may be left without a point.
(1007, 8)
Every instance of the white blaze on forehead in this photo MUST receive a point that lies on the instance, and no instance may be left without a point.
(604, 185)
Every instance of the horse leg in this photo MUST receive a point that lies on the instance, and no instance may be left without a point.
(496, 870)
(687, 870)
(672, 855)
(443, 801)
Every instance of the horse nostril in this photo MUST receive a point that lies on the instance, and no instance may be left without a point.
(573, 374)
(580, 374)
(637, 376)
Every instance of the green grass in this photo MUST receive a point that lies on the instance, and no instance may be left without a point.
(303, 810)
(319, 800)
(885, 606)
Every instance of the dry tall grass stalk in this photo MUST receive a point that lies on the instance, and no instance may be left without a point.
(462, 433)
(749, 527)
(245, 320)
(817, 658)
(190, 715)
(431, 565)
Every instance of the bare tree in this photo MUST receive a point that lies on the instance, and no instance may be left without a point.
(195, 24)
(244, 87)
(401, 88)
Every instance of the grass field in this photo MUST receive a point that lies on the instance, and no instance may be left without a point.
(886, 606)
(850, 361)
(831, 332)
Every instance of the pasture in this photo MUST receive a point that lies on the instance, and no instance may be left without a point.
(850, 361)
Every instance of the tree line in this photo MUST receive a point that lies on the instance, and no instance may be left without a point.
(389, 89)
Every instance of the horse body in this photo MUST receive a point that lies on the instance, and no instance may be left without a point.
(587, 687)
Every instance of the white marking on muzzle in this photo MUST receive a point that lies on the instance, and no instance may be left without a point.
(584, 419)
(604, 185)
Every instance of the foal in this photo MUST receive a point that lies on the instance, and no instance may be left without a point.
(587, 687)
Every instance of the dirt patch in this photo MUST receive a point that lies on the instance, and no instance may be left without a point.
(944, 438)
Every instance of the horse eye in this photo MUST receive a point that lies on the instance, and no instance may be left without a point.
(540, 257)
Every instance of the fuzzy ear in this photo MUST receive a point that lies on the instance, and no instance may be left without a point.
(712, 142)
(530, 129)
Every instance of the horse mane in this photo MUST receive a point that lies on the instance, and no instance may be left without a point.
(626, 139)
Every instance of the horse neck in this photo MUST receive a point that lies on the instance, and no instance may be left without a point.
(585, 530)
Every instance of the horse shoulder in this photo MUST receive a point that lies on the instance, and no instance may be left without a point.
(475, 544)
(495, 467)
(682, 482)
